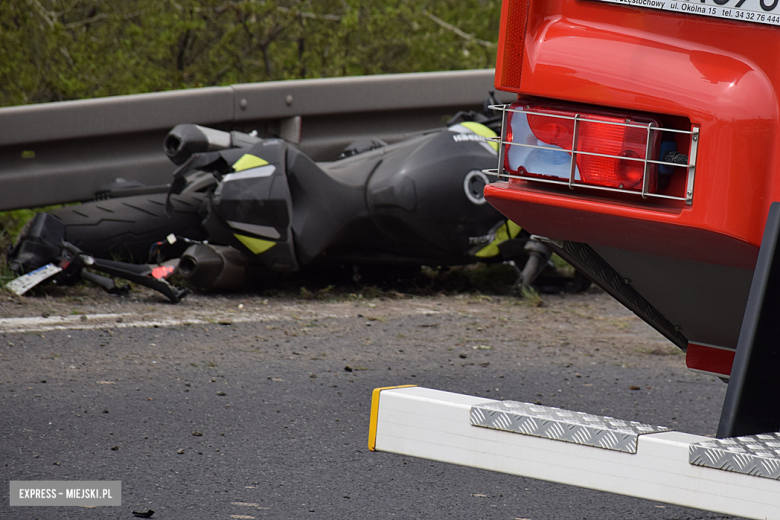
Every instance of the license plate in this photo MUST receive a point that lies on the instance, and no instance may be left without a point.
(756, 11)
(27, 281)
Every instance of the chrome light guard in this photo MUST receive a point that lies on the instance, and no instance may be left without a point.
(571, 182)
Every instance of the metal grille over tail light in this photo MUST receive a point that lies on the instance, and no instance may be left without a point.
(600, 151)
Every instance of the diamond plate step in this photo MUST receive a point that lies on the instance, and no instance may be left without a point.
(562, 425)
(757, 455)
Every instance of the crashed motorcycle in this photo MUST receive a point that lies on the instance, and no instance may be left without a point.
(243, 210)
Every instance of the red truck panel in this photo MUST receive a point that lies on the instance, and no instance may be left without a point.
(690, 262)
(719, 74)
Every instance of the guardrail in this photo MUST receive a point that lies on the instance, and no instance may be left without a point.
(62, 152)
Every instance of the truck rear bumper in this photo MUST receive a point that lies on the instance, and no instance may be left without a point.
(579, 219)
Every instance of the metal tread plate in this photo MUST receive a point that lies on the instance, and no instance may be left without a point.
(562, 425)
(757, 455)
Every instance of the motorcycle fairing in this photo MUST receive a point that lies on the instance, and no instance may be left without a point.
(254, 206)
(256, 245)
(477, 132)
(248, 162)
(503, 231)
(442, 218)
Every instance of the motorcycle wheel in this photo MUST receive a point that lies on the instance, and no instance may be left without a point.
(126, 228)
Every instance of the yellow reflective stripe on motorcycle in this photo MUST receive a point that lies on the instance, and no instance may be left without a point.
(255, 245)
(482, 130)
(504, 233)
(248, 161)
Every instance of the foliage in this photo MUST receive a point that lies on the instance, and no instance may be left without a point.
(72, 49)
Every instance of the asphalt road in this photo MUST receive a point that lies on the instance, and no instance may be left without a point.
(262, 410)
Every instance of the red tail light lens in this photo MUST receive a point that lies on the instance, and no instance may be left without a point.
(511, 44)
(610, 150)
(553, 130)
(627, 142)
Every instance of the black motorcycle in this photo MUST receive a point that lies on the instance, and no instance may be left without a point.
(244, 210)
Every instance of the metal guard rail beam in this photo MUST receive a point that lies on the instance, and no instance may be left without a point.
(56, 153)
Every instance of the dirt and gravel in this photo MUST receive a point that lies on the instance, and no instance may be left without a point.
(588, 324)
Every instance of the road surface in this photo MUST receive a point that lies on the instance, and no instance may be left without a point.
(251, 407)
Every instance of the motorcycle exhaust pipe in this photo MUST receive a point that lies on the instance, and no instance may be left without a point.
(207, 266)
(187, 139)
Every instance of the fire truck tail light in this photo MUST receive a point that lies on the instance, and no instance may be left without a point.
(619, 145)
(609, 151)
(559, 132)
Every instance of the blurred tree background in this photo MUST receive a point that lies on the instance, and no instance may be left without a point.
(56, 50)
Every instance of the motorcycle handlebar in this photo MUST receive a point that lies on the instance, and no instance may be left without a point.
(186, 139)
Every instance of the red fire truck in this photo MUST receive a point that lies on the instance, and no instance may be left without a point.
(642, 149)
(643, 146)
